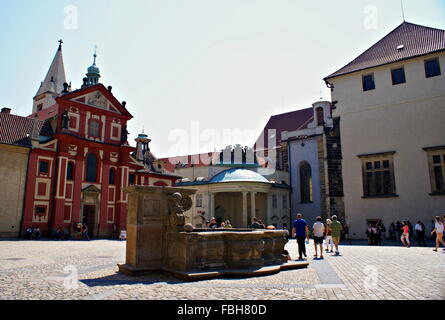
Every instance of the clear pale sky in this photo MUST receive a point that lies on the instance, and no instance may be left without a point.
(226, 64)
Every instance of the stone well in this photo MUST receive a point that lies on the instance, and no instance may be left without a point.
(159, 240)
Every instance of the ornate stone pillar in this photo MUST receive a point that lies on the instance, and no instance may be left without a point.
(212, 205)
(269, 209)
(244, 217)
(253, 214)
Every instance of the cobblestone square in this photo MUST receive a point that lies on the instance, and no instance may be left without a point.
(44, 270)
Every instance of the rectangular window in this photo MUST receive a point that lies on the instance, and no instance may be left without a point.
(368, 82)
(274, 201)
(436, 161)
(94, 129)
(132, 179)
(432, 68)
(44, 167)
(398, 76)
(285, 202)
(199, 200)
(378, 175)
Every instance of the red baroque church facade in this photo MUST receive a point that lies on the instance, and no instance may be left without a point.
(79, 167)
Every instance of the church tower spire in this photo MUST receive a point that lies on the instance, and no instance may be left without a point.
(93, 72)
(52, 86)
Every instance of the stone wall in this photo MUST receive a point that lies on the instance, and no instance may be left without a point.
(13, 168)
(334, 162)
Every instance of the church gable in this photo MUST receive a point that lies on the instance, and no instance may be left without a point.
(98, 100)
(98, 97)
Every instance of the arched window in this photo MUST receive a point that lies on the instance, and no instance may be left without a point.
(112, 178)
(305, 182)
(91, 168)
(70, 171)
(320, 116)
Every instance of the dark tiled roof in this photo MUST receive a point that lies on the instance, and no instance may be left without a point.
(417, 41)
(17, 130)
(285, 122)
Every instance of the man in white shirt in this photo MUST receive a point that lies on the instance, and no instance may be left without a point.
(318, 236)
(420, 231)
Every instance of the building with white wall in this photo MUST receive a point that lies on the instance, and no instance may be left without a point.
(391, 104)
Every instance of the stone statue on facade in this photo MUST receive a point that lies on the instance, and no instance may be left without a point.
(124, 135)
(65, 120)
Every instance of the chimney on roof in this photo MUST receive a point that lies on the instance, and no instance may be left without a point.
(6, 110)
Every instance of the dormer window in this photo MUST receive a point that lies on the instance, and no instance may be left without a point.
(398, 76)
(368, 82)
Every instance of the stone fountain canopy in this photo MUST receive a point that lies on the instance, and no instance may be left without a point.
(159, 240)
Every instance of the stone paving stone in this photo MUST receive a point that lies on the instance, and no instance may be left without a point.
(35, 270)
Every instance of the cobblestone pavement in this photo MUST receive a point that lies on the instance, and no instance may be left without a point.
(45, 269)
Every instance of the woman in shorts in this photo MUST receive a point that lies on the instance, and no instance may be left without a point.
(318, 236)
(405, 234)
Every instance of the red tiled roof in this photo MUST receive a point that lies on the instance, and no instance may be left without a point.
(17, 130)
(417, 40)
(284, 122)
(196, 160)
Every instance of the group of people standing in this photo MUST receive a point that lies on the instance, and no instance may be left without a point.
(329, 231)
(404, 231)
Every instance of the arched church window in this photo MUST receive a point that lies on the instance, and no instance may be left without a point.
(306, 182)
(91, 175)
(70, 171)
(320, 116)
(112, 178)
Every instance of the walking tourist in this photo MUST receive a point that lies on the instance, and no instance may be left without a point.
(336, 232)
(85, 235)
(318, 231)
(405, 235)
(420, 232)
(300, 231)
(392, 231)
(328, 240)
(115, 234)
(372, 235)
(438, 229)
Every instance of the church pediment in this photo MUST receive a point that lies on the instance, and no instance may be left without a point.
(97, 96)
(97, 99)
(91, 188)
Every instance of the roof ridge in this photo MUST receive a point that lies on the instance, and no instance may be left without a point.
(420, 39)
(281, 114)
